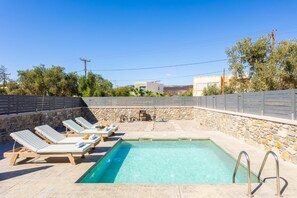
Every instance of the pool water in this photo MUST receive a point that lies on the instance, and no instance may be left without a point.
(166, 162)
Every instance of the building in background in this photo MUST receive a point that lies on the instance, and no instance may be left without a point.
(175, 90)
(201, 82)
(153, 86)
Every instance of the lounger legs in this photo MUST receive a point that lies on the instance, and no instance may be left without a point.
(93, 146)
(71, 158)
(13, 159)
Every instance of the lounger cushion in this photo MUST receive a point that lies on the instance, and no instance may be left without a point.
(78, 129)
(73, 140)
(58, 138)
(70, 124)
(64, 148)
(84, 122)
(29, 140)
(50, 133)
(88, 125)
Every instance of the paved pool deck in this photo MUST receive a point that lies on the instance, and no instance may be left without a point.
(55, 177)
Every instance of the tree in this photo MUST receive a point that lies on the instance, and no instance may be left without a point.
(55, 82)
(59, 83)
(13, 88)
(265, 77)
(158, 94)
(137, 92)
(31, 81)
(47, 81)
(122, 91)
(94, 85)
(189, 92)
(4, 75)
(256, 67)
(286, 60)
(211, 90)
(249, 61)
(147, 93)
(228, 89)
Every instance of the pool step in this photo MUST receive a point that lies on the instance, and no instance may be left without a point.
(185, 139)
(145, 139)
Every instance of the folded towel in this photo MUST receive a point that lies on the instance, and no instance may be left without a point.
(80, 144)
(92, 137)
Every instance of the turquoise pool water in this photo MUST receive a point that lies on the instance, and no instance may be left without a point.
(166, 162)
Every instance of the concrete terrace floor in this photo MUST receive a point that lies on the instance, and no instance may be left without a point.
(57, 177)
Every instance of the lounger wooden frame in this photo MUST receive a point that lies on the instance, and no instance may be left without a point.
(23, 152)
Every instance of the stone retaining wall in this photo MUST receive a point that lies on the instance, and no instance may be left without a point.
(114, 113)
(22, 121)
(266, 133)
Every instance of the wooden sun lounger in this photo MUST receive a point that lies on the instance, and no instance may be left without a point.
(87, 125)
(76, 128)
(34, 147)
(51, 136)
(23, 152)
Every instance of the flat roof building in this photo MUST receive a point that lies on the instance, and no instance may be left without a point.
(201, 82)
(150, 86)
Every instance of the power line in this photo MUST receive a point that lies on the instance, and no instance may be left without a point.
(160, 67)
(191, 75)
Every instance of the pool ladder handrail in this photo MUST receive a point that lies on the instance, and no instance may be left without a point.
(277, 171)
(249, 171)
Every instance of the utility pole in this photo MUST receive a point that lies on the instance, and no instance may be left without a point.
(273, 39)
(85, 61)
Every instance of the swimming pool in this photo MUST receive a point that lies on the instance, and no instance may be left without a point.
(166, 162)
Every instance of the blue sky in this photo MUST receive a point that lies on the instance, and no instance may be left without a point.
(135, 33)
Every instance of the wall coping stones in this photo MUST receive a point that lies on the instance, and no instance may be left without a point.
(34, 112)
(266, 118)
(135, 107)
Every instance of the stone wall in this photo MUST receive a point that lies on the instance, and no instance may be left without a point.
(267, 133)
(114, 113)
(16, 122)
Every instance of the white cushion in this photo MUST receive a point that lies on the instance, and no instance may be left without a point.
(50, 133)
(64, 148)
(29, 140)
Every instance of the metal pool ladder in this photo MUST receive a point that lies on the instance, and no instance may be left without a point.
(260, 171)
(277, 171)
(249, 171)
